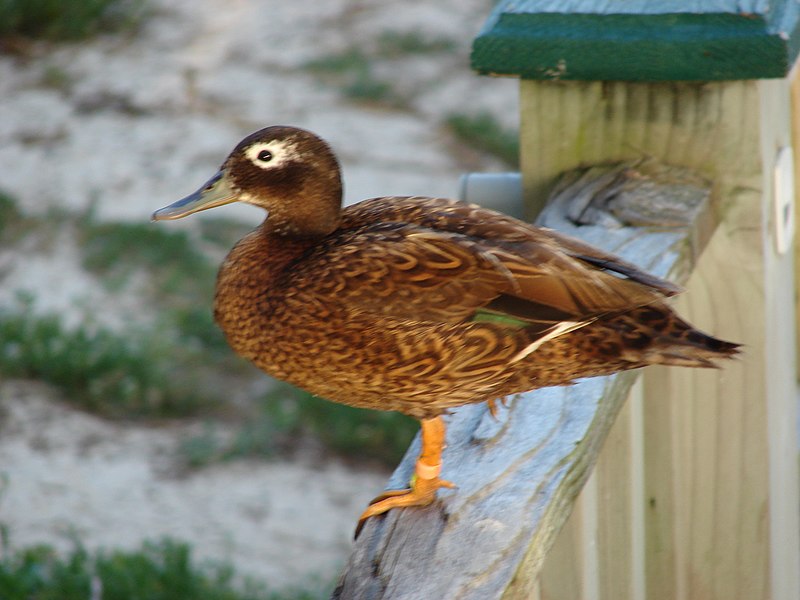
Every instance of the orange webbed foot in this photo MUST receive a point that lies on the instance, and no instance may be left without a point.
(421, 493)
(425, 481)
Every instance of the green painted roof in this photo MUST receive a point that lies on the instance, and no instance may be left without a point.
(639, 40)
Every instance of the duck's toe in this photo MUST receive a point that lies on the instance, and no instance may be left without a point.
(421, 493)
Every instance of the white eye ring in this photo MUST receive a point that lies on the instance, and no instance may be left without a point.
(270, 155)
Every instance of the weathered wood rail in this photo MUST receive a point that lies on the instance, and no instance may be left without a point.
(519, 474)
(694, 494)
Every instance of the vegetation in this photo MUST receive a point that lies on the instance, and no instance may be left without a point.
(117, 249)
(56, 78)
(112, 374)
(483, 132)
(352, 60)
(67, 19)
(158, 571)
(395, 44)
(9, 214)
(352, 72)
(286, 414)
(180, 276)
(354, 432)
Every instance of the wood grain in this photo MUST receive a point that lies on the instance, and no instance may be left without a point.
(719, 490)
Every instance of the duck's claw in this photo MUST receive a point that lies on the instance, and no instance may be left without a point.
(422, 493)
(492, 404)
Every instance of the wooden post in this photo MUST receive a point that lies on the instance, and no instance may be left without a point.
(713, 495)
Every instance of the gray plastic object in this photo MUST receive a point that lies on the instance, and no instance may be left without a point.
(499, 191)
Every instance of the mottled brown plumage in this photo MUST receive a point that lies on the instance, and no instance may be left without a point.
(421, 304)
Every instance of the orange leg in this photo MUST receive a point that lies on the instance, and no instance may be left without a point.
(425, 480)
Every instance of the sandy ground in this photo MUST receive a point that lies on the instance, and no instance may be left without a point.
(129, 124)
(66, 474)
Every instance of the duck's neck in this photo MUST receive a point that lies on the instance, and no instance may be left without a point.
(250, 279)
(262, 256)
(312, 211)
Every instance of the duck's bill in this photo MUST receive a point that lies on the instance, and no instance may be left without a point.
(215, 192)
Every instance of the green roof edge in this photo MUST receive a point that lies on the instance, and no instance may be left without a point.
(669, 46)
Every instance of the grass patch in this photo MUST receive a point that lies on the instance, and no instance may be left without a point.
(222, 232)
(483, 132)
(112, 374)
(56, 78)
(367, 88)
(352, 73)
(258, 437)
(288, 413)
(353, 432)
(9, 213)
(352, 60)
(181, 277)
(396, 44)
(158, 571)
(117, 249)
(67, 19)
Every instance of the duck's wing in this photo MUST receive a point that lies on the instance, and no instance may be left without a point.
(437, 260)
(443, 214)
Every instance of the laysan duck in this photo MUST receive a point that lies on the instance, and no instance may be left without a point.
(418, 304)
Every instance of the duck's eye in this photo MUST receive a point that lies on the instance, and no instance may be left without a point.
(269, 155)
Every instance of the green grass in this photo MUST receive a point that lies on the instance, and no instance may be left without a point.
(351, 60)
(353, 432)
(56, 78)
(9, 213)
(352, 73)
(67, 19)
(396, 44)
(222, 232)
(129, 374)
(366, 88)
(287, 414)
(158, 571)
(117, 249)
(352, 70)
(180, 276)
(483, 132)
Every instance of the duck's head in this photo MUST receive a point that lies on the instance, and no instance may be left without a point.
(289, 172)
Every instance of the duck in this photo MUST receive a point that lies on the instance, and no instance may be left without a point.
(421, 304)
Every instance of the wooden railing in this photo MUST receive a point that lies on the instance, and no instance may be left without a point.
(519, 473)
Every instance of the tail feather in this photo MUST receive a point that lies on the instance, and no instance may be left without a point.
(673, 341)
(686, 346)
(694, 355)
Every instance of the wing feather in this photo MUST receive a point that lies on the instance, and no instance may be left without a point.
(430, 259)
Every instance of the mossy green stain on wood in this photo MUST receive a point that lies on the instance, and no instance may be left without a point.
(529, 40)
